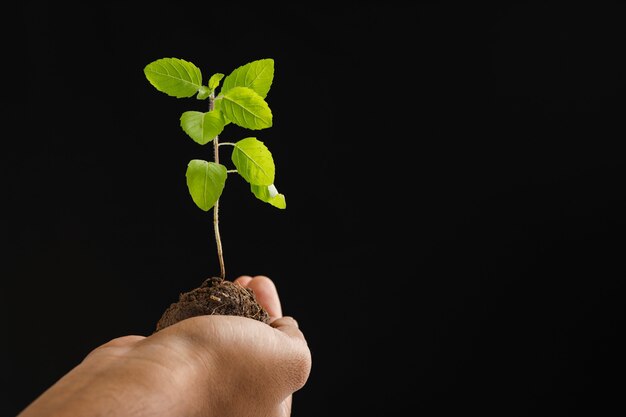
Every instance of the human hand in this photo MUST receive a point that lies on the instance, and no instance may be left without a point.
(201, 366)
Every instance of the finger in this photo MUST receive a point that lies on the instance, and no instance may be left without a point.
(285, 407)
(288, 325)
(299, 365)
(243, 280)
(267, 295)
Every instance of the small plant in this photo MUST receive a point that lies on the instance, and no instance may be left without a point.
(241, 100)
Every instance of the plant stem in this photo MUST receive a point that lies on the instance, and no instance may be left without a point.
(216, 228)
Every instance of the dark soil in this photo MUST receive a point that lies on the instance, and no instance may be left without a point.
(214, 296)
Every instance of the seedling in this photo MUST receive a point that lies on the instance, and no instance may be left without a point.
(240, 100)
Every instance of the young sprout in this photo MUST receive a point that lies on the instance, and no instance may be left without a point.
(240, 100)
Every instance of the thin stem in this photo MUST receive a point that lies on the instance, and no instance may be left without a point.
(216, 228)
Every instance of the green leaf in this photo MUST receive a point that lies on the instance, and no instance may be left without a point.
(202, 127)
(205, 181)
(215, 79)
(218, 106)
(269, 194)
(203, 93)
(174, 77)
(254, 161)
(244, 107)
(257, 75)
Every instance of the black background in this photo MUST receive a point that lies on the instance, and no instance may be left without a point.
(454, 233)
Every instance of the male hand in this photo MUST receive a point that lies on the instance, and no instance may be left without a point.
(202, 366)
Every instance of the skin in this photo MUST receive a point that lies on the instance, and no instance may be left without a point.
(203, 366)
